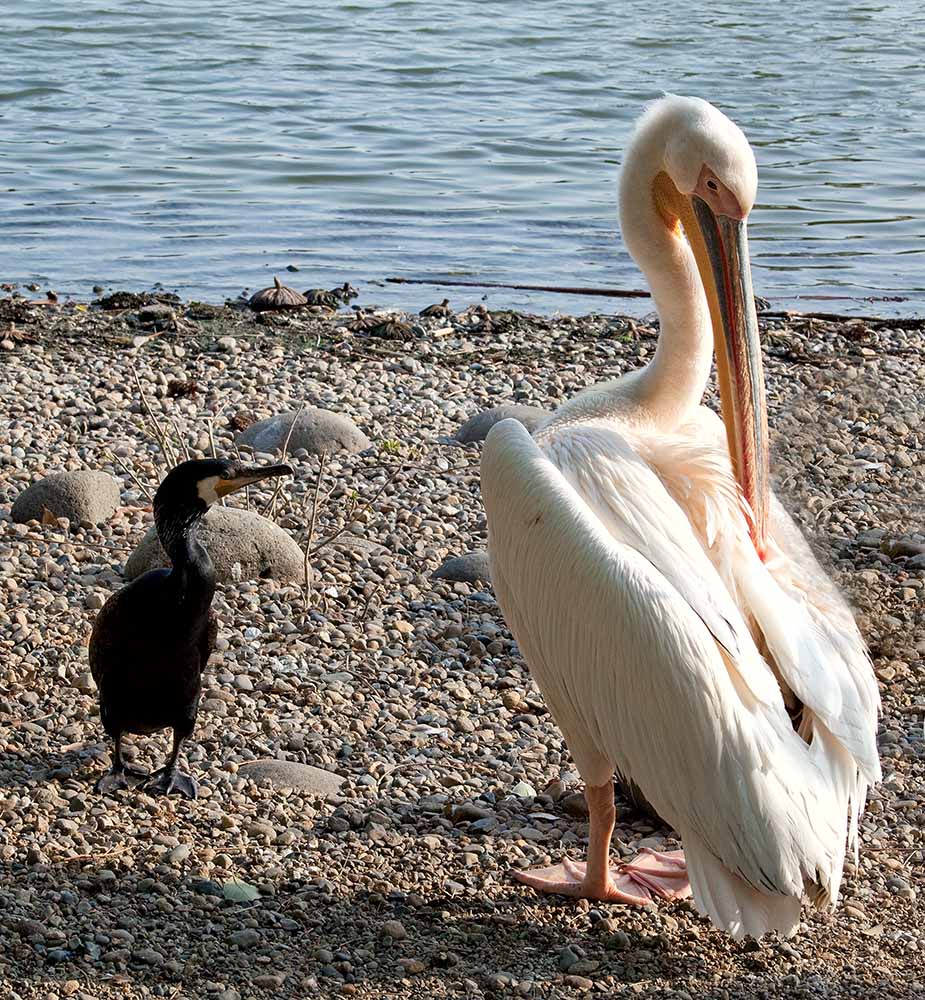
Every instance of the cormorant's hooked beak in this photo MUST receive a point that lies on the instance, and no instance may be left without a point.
(247, 475)
(720, 244)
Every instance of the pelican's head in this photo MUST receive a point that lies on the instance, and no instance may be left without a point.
(703, 185)
(707, 156)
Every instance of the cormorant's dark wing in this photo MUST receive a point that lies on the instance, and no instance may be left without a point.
(118, 622)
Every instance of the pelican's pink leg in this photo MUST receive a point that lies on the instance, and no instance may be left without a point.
(649, 874)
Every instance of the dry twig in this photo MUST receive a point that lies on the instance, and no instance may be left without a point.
(183, 445)
(170, 455)
(144, 489)
(270, 507)
(311, 533)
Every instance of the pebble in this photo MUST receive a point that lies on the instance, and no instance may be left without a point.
(179, 853)
(268, 981)
(291, 774)
(471, 567)
(246, 938)
(149, 956)
(617, 941)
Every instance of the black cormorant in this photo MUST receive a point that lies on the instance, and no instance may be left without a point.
(152, 639)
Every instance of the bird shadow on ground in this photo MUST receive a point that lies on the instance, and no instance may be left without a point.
(336, 940)
(451, 946)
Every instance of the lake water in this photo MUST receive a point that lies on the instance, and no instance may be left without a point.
(143, 142)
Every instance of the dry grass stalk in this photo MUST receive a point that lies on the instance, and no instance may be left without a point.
(186, 454)
(369, 600)
(307, 594)
(144, 489)
(170, 455)
(271, 506)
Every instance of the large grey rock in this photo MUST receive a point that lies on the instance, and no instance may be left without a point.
(476, 428)
(84, 495)
(316, 431)
(291, 774)
(232, 535)
(472, 567)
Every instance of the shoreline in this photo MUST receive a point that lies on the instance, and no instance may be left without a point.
(406, 687)
(465, 296)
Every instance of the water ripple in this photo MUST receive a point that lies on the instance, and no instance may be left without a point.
(208, 151)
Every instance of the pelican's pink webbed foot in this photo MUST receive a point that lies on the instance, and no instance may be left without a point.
(662, 874)
(648, 876)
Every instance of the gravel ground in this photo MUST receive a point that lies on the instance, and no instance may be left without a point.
(409, 688)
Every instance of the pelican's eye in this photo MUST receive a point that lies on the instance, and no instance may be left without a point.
(712, 185)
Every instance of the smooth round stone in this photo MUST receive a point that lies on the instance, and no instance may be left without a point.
(232, 535)
(291, 774)
(84, 495)
(476, 428)
(316, 431)
(472, 567)
(359, 544)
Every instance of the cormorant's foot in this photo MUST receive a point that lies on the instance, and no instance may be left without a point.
(171, 782)
(637, 882)
(124, 777)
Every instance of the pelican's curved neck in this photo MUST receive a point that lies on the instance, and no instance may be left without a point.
(672, 384)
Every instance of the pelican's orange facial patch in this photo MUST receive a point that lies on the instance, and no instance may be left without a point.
(668, 202)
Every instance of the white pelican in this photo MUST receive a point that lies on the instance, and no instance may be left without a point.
(668, 607)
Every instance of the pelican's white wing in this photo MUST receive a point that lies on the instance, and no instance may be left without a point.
(803, 621)
(646, 664)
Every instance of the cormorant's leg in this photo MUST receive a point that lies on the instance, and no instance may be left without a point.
(648, 875)
(170, 778)
(117, 776)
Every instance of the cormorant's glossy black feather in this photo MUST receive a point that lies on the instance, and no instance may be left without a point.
(147, 655)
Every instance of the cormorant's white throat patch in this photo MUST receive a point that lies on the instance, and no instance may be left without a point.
(206, 490)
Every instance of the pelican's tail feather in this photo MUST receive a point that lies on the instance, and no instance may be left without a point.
(730, 902)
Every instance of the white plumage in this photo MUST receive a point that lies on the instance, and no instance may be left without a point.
(623, 555)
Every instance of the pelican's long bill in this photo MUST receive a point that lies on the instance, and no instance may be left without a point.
(246, 475)
(728, 286)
